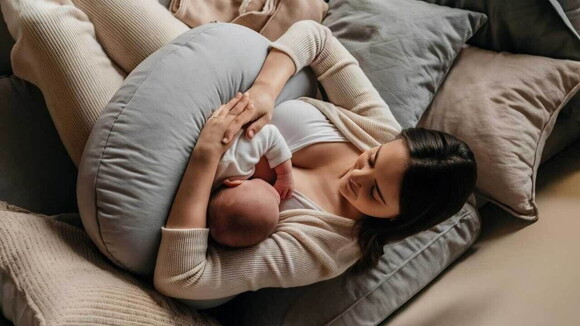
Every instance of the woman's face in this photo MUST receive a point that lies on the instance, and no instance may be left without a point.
(373, 184)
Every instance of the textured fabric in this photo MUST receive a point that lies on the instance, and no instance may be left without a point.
(35, 170)
(59, 50)
(504, 106)
(64, 280)
(270, 18)
(405, 47)
(241, 158)
(537, 27)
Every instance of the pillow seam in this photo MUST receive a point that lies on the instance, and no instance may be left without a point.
(415, 255)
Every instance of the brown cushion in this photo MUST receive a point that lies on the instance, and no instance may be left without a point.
(6, 43)
(59, 277)
(504, 106)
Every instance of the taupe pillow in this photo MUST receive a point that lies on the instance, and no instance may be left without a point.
(504, 106)
(571, 9)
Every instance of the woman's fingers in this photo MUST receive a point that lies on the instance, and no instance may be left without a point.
(241, 119)
(257, 125)
(226, 108)
(240, 105)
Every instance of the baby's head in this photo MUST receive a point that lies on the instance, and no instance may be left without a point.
(244, 215)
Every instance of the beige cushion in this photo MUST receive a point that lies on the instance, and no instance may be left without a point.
(504, 106)
(59, 275)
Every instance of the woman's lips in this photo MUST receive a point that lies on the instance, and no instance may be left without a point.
(351, 186)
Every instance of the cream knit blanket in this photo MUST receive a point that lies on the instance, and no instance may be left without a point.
(62, 278)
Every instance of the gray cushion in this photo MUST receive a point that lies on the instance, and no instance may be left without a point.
(138, 149)
(405, 268)
(537, 27)
(405, 47)
(35, 171)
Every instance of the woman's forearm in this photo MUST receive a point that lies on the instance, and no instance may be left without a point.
(277, 69)
(190, 203)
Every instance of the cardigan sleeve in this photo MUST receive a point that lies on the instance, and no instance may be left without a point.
(310, 43)
(303, 251)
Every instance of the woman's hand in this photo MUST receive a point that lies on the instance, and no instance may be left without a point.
(263, 109)
(274, 74)
(231, 116)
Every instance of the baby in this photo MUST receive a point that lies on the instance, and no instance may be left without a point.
(246, 211)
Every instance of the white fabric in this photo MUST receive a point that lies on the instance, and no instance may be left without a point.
(240, 160)
(302, 124)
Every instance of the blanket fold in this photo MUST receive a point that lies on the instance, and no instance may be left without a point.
(270, 18)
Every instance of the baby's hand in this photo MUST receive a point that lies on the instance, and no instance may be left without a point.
(232, 183)
(284, 185)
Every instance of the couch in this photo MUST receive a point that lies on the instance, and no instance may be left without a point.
(515, 272)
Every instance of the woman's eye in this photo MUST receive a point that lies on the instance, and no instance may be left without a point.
(370, 160)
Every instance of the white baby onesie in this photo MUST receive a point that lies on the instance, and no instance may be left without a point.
(239, 161)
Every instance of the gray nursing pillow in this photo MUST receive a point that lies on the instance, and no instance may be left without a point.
(138, 149)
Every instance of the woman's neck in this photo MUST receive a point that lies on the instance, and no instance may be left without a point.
(331, 190)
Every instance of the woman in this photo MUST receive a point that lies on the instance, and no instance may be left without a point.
(374, 185)
(357, 184)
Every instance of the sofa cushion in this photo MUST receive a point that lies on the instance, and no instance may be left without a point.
(35, 171)
(405, 47)
(504, 106)
(538, 27)
(52, 274)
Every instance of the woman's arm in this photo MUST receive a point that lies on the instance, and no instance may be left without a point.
(190, 203)
(309, 43)
(277, 69)
(303, 249)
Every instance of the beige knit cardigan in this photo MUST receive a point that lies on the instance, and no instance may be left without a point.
(307, 246)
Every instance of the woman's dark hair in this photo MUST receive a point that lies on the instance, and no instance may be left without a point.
(439, 178)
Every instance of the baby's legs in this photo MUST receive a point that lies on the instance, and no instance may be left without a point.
(58, 50)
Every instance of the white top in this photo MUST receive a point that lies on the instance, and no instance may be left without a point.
(302, 124)
(239, 161)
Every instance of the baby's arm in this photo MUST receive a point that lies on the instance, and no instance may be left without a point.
(284, 181)
(278, 155)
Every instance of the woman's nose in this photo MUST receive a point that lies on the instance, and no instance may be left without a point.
(358, 176)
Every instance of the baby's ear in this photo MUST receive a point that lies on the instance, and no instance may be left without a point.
(232, 183)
